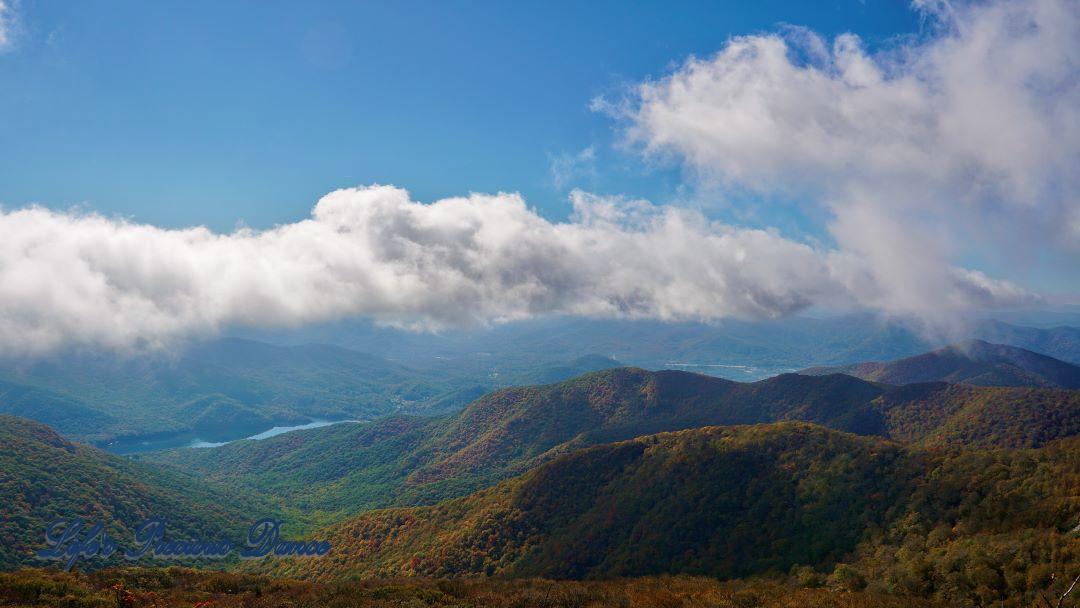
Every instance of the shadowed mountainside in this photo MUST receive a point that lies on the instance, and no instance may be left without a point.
(973, 362)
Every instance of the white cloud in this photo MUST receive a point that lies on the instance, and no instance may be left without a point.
(566, 167)
(965, 141)
(7, 25)
(69, 279)
(917, 153)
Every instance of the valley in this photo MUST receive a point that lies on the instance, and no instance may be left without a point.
(416, 460)
(824, 480)
(231, 388)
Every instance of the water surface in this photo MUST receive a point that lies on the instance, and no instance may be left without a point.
(273, 432)
(188, 439)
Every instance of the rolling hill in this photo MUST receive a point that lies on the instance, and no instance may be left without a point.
(956, 492)
(44, 477)
(403, 461)
(231, 388)
(739, 501)
(973, 362)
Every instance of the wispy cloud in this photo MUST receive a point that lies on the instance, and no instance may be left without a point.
(966, 139)
(7, 25)
(567, 168)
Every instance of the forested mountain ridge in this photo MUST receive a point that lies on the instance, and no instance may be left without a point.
(408, 461)
(230, 388)
(918, 489)
(226, 385)
(972, 362)
(745, 500)
(44, 477)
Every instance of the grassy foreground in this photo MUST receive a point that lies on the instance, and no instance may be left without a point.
(187, 588)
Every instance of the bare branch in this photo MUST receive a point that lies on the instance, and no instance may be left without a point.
(1067, 591)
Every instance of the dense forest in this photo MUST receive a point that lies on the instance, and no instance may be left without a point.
(404, 461)
(964, 526)
(44, 477)
(231, 388)
(184, 588)
(826, 488)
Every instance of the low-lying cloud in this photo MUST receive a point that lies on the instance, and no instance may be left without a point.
(69, 279)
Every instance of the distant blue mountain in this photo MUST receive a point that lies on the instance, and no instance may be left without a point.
(973, 362)
(738, 350)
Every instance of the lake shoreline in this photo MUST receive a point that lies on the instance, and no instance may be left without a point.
(143, 444)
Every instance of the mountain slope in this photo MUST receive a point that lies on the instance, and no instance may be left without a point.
(227, 386)
(738, 501)
(972, 362)
(1062, 342)
(231, 388)
(408, 461)
(64, 414)
(44, 477)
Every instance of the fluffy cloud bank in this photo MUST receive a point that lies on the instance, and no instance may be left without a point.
(964, 143)
(69, 279)
(965, 140)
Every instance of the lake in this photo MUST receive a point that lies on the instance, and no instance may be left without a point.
(136, 445)
(273, 432)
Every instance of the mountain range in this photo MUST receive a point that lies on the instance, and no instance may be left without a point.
(419, 460)
(938, 489)
(972, 362)
(230, 388)
(741, 501)
(225, 389)
(738, 350)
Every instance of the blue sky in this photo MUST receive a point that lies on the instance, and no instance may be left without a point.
(214, 113)
(845, 155)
